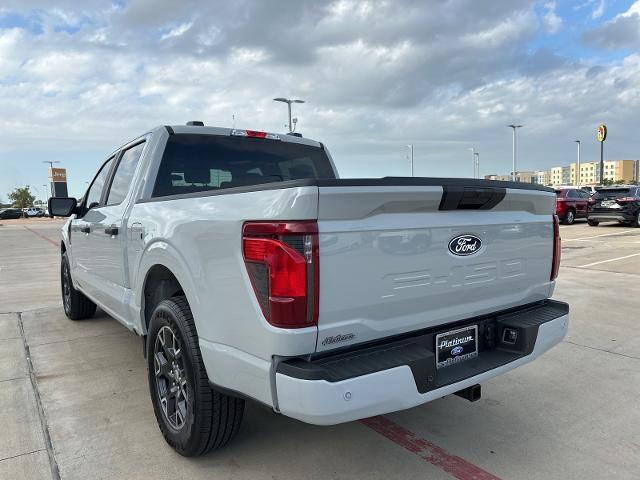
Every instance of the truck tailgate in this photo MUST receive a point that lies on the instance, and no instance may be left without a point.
(386, 265)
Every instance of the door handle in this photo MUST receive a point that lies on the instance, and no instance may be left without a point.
(86, 230)
(111, 230)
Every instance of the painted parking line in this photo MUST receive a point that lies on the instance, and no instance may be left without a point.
(53, 242)
(602, 235)
(592, 240)
(430, 452)
(607, 261)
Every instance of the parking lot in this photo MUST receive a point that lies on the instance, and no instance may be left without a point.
(76, 404)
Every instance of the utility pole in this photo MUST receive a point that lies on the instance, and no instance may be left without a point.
(514, 127)
(473, 159)
(578, 182)
(410, 146)
(288, 101)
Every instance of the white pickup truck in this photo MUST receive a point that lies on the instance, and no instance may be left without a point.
(252, 271)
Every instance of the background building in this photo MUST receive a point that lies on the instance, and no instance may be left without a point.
(619, 171)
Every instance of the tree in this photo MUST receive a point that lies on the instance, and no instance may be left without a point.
(21, 197)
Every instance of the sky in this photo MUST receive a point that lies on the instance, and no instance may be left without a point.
(78, 79)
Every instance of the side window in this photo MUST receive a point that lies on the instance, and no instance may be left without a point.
(93, 195)
(572, 194)
(124, 174)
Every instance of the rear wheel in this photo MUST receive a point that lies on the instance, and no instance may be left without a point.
(76, 305)
(193, 417)
(635, 223)
(593, 223)
(570, 217)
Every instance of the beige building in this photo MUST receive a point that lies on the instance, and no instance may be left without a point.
(526, 177)
(555, 176)
(623, 171)
(543, 177)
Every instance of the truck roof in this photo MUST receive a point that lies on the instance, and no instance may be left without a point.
(227, 131)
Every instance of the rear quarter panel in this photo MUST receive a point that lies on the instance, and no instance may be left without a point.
(200, 238)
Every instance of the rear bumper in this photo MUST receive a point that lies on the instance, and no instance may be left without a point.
(609, 217)
(625, 214)
(402, 373)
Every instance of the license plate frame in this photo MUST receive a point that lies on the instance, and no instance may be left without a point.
(454, 346)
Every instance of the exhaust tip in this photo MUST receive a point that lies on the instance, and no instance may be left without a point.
(472, 393)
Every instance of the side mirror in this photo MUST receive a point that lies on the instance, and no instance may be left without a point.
(62, 206)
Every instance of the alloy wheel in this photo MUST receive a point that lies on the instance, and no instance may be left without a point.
(66, 286)
(570, 217)
(171, 378)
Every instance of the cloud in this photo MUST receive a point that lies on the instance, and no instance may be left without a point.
(376, 76)
(598, 7)
(598, 11)
(552, 20)
(177, 31)
(621, 32)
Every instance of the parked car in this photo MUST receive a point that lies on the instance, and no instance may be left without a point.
(9, 213)
(571, 203)
(590, 189)
(619, 203)
(252, 271)
(34, 212)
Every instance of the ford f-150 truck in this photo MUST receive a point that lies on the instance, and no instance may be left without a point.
(252, 271)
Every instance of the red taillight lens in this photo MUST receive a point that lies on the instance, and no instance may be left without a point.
(555, 265)
(626, 199)
(282, 263)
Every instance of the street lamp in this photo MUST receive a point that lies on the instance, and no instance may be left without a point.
(513, 174)
(477, 164)
(473, 159)
(288, 101)
(410, 147)
(578, 172)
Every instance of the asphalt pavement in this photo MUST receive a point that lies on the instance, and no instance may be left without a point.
(76, 403)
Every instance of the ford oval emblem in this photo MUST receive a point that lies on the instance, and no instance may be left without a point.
(464, 245)
(456, 350)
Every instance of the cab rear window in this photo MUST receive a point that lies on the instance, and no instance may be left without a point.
(199, 163)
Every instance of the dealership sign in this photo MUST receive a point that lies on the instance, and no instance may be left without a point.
(58, 179)
(602, 132)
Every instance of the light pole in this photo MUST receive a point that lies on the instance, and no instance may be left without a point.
(51, 166)
(288, 101)
(477, 164)
(473, 159)
(513, 174)
(410, 147)
(578, 169)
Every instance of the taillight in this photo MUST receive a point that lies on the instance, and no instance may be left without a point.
(626, 199)
(282, 263)
(255, 134)
(555, 265)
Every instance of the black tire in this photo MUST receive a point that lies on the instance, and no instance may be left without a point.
(593, 223)
(76, 305)
(195, 418)
(570, 217)
(635, 223)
